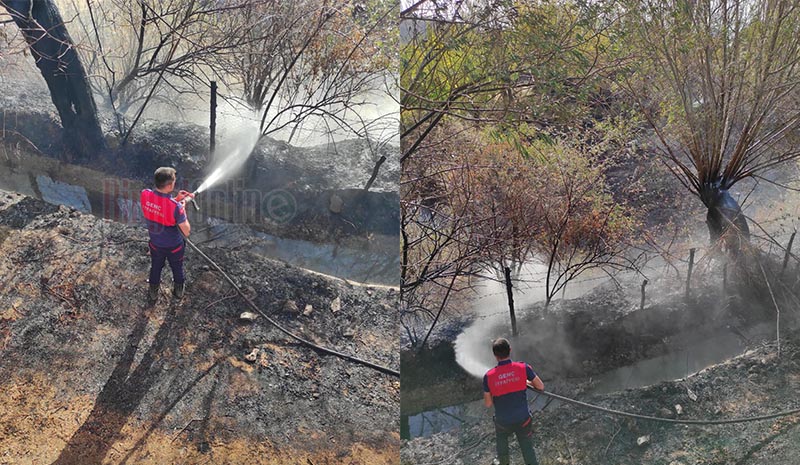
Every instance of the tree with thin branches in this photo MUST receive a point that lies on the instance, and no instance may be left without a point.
(719, 85)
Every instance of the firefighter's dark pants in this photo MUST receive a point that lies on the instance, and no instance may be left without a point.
(524, 433)
(159, 255)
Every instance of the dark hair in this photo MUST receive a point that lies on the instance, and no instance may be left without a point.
(164, 176)
(501, 347)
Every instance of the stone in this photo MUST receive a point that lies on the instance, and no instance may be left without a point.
(336, 305)
(664, 412)
(643, 440)
(692, 395)
(349, 333)
(252, 356)
(248, 316)
(307, 311)
(337, 204)
(678, 409)
(290, 306)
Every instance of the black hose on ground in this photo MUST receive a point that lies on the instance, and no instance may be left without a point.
(637, 416)
(274, 323)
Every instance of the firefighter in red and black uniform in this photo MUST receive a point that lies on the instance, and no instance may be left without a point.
(167, 224)
(505, 387)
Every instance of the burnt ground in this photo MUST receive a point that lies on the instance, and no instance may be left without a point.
(89, 374)
(581, 338)
(602, 330)
(756, 383)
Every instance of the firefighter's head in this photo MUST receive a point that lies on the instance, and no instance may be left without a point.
(501, 348)
(165, 179)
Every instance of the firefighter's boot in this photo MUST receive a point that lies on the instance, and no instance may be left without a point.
(177, 291)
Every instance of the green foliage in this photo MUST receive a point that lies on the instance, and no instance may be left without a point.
(536, 64)
(509, 117)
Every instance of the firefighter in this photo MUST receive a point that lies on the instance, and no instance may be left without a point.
(505, 387)
(167, 224)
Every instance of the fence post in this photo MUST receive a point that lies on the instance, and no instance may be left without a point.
(689, 274)
(725, 278)
(788, 252)
(510, 293)
(641, 305)
(213, 125)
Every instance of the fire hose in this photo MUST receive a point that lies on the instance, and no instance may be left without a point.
(637, 416)
(316, 347)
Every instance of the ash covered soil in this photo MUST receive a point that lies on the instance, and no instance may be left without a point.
(90, 374)
(759, 382)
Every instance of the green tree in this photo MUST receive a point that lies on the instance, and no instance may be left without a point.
(499, 61)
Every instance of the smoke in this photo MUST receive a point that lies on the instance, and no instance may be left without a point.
(231, 156)
(473, 346)
(374, 112)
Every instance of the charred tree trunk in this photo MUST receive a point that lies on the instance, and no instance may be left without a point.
(724, 218)
(52, 48)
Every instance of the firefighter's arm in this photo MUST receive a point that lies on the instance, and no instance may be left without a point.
(536, 383)
(185, 228)
(487, 395)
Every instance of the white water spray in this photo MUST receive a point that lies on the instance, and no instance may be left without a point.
(232, 156)
(473, 346)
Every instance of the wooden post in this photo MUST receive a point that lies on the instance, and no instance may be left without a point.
(725, 278)
(788, 252)
(510, 293)
(405, 427)
(689, 274)
(213, 125)
(641, 305)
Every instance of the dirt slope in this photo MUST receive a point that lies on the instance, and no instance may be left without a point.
(89, 374)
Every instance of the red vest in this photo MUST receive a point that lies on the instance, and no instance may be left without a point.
(158, 208)
(508, 378)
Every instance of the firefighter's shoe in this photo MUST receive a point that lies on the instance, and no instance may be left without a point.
(152, 294)
(177, 291)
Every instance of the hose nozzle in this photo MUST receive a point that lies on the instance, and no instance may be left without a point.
(191, 199)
